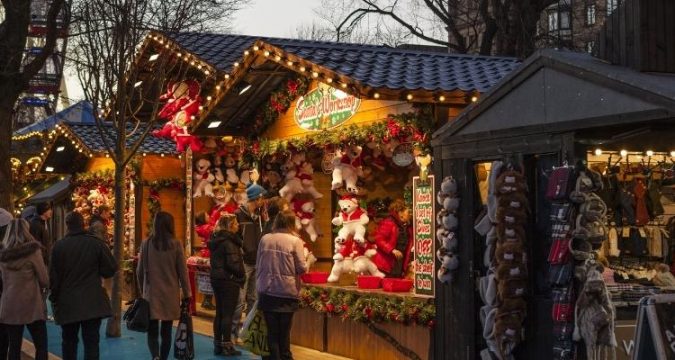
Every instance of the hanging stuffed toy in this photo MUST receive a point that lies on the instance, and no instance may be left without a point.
(230, 170)
(203, 178)
(304, 216)
(223, 196)
(182, 106)
(347, 169)
(361, 255)
(352, 219)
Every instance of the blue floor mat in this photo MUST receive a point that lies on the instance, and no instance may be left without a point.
(132, 345)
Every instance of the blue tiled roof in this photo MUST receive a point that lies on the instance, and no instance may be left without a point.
(91, 137)
(82, 112)
(374, 66)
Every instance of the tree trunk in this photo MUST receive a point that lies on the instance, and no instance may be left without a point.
(6, 107)
(113, 328)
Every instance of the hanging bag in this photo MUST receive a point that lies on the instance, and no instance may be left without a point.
(254, 332)
(183, 345)
(560, 183)
(137, 316)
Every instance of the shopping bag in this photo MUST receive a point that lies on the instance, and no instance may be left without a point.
(137, 316)
(254, 332)
(183, 345)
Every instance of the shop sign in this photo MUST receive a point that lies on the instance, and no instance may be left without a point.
(325, 107)
(423, 228)
(655, 333)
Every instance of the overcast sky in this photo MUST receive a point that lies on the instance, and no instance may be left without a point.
(278, 18)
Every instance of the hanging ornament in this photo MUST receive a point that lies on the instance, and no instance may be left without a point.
(403, 155)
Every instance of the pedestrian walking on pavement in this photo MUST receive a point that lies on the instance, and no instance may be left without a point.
(281, 261)
(79, 301)
(227, 279)
(162, 276)
(39, 228)
(24, 278)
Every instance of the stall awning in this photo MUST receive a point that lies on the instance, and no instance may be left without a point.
(54, 192)
(555, 91)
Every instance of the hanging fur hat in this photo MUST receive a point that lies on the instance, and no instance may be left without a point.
(507, 289)
(507, 271)
(515, 200)
(510, 181)
(510, 253)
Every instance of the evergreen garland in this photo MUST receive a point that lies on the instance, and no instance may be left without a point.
(278, 103)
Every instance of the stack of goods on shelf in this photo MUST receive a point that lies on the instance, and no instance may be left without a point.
(562, 216)
(446, 233)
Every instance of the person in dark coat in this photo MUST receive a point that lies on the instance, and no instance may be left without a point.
(5, 218)
(227, 277)
(79, 261)
(162, 276)
(40, 230)
(24, 276)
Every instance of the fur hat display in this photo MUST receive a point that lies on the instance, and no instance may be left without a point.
(448, 223)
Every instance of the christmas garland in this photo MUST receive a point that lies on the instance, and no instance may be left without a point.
(415, 126)
(105, 178)
(154, 206)
(278, 103)
(369, 309)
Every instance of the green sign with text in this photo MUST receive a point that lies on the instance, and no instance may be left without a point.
(423, 227)
(325, 107)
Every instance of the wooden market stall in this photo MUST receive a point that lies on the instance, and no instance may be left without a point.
(272, 110)
(561, 111)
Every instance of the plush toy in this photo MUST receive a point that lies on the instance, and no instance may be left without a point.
(223, 196)
(304, 172)
(217, 171)
(449, 262)
(245, 174)
(353, 220)
(96, 198)
(203, 178)
(183, 102)
(292, 186)
(271, 176)
(304, 212)
(360, 253)
(310, 259)
(347, 169)
(447, 239)
(231, 175)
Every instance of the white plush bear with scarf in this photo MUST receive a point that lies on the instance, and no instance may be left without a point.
(347, 168)
(203, 178)
(353, 220)
(304, 217)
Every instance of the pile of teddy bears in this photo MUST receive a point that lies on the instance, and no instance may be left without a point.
(447, 221)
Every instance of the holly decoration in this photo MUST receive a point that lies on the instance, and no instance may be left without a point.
(368, 308)
(278, 103)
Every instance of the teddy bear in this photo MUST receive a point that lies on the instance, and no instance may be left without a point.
(352, 218)
(304, 172)
(292, 186)
(447, 239)
(271, 175)
(360, 256)
(304, 212)
(244, 171)
(230, 166)
(223, 197)
(449, 262)
(347, 169)
(447, 219)
(183, 102)
(203, 178)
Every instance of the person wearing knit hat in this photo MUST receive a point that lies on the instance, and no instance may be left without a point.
(251, 217)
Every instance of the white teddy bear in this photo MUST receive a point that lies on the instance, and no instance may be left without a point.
(351, 255)
(347, 168)
(304, 217)
(353, 220)
(304, 173)
(203, 178)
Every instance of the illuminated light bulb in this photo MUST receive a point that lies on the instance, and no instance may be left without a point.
(289, 63)
(192, 63)
(179, 54)
(474, 98)
(227, 76)
(266, 53)
(166, 46)
(598, 152)
(315, 74)
(650, 153)
(208, 98)
(343, 85)
(217, 87)
(199, 66)
(192, 117)
(207, 73)
(441, 98)
(162, 155)
(672, 154)
(329, 80)
(256, 48)
(624, 153)
(144, 154)
(201, 108)
(409, 97)
(302, 69)
(376, 95)
(246, 53)
(236, 64)
(277, 58)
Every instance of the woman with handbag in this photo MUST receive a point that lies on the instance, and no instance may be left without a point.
(162, 275)
(227, 279)
(24, 277)
(280, 262)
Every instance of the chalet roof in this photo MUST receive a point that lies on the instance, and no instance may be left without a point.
(556, 89)
(81, 112)
(91, 138)
(371, 65)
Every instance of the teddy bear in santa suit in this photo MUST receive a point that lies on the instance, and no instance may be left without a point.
(347, 169)
(183, 102)
(352, 218)
(304, 216)
(361, 255)
(223, 196)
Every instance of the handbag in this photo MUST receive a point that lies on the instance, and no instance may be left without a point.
(137, 316)
(563, 304)
(183, 345)
(560, 183)
(560, 251)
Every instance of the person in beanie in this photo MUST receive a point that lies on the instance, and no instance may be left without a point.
(162, 276)
(40, 230)
(251, 219)
(24, 275)
(79, 301)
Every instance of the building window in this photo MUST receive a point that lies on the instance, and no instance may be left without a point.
(590, 46)
(565, 23)
(590, 14)
(611, 6)
(553, 21)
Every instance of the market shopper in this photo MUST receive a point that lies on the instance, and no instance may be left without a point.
(251, 218)
(274, 206)
(24, 278)
(162, 276)
(5, 218)
(79, 261)
(394, 238)
(39, 228)
(280, 263)
(227, 278)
